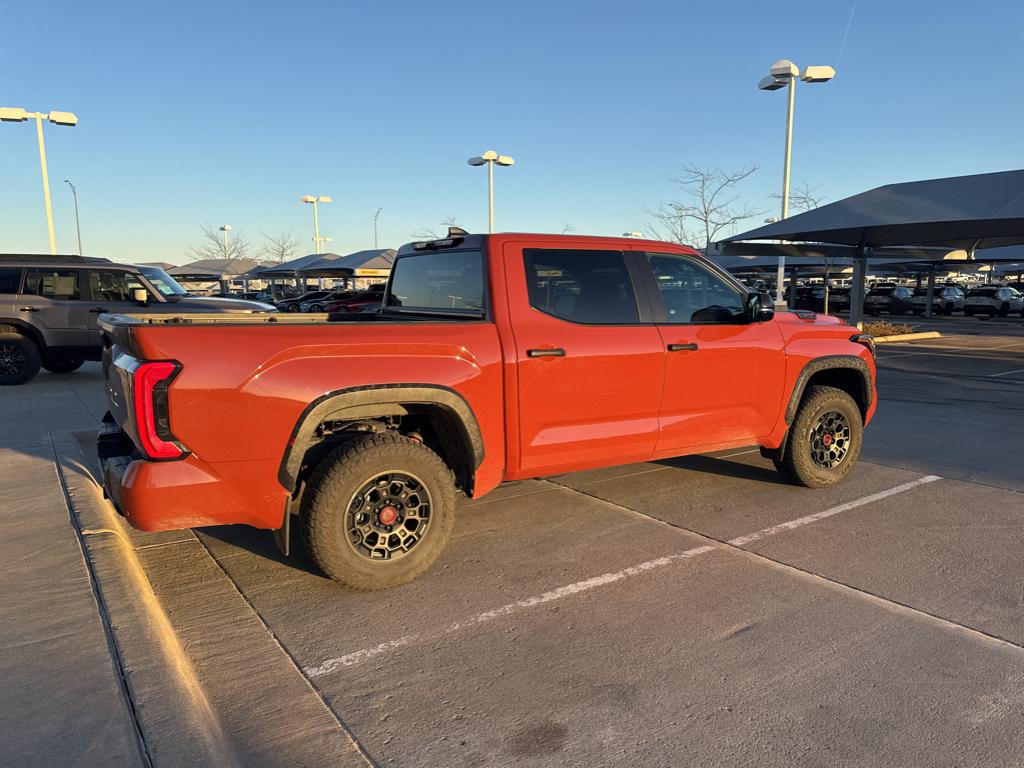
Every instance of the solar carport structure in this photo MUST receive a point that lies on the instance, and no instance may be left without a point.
(968, 213)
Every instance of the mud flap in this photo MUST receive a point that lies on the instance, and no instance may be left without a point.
(282, 535)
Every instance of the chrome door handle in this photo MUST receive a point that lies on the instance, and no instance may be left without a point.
(682, 347)
(545, 353)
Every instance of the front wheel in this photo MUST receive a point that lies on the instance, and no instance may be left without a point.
(63, 366)
(292, 308)
(824, 439)
(316, 308)
(378, 511)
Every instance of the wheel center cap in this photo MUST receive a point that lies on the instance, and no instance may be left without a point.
(826, 439)
(387, 515)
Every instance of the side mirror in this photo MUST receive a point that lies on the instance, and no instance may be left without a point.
(758, 311)
(141, 296)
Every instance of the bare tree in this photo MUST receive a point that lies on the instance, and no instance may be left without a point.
(711, 207)
(280, 247)
(567, 228)
(215, 246)
(803, 198)
(429, 233)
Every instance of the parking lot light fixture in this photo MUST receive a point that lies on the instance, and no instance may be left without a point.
(490, 158)
(315, 200)
(225, 228)
(784, 74)
(78, 225)
(19, 115)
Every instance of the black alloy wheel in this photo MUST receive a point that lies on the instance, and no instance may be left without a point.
(830, 440)
(12, 359)
(388, 516)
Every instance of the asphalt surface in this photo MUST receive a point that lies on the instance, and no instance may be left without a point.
(696, 611)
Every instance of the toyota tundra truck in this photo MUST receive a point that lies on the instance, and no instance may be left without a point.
(491, 358)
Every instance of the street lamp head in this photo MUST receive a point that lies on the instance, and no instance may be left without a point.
(308, 199)
(632, 234)
(63, 118)
(504, 160)
(476, 161)
(818, 74)
(769, 83)
(784, 69)
(225, 228)
(325, 199)
(13, 114)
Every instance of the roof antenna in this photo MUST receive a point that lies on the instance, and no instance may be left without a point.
(457, 232)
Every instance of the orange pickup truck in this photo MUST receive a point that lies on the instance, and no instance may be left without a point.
(491, 358)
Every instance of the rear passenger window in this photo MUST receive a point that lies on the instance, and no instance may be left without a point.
(10, 279)
(590, 287)
(53, 283)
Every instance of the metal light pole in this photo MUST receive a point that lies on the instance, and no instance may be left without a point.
(375, 227)
(784, 74)
(18, 115)
(489, 158)
(314, 200)
(225, 229)
(78, 225)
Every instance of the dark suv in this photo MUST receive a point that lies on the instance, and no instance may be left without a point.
(49, 306)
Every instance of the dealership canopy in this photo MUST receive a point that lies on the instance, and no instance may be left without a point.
(372, 263)
(213, 269)
(984, 210)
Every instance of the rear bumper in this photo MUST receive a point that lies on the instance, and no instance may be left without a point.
(170, 495)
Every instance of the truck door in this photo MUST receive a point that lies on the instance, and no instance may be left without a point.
(590, 364)
(724, 376)
(52, 301)
(110, 290)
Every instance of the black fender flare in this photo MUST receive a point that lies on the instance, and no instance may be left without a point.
(368, 402)
(827, 363)
(25, 329)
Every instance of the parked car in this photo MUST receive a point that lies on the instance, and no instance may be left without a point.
(295, 305)
(946, 299)
(839, 299)
(361, 302)
(493, 358)
(49, 306)
(897, 299)
(993, 300)
(321, 302)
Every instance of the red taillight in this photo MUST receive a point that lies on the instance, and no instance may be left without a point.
(152, 418)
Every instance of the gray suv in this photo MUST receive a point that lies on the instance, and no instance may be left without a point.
(49, 306)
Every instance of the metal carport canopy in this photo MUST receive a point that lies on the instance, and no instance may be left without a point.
(984, 210)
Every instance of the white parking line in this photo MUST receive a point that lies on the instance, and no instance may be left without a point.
(360, 656)
(1005, 373)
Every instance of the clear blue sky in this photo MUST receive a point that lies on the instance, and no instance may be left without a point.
(228, 112)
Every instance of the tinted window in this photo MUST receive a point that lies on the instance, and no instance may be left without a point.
(693, 293)
(53, 283)
(10, 279)
(581, 286)
(439, 280)
(112, 285)
(982, 292)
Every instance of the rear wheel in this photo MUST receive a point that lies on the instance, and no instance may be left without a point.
(19, 359)
(316, 307)
(293, 308)
(824, 439)
(378, 511)
(63, 366)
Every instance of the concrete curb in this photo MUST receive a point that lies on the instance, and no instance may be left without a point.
(909, 337)
(209, 683)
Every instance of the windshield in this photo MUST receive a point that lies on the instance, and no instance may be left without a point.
(162, 281)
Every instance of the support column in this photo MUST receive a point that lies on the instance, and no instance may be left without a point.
(860, 264)
(930, 296)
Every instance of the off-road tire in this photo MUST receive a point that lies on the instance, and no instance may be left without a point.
(20, 351)
(337, 479)
(63, 366)
(797, 465)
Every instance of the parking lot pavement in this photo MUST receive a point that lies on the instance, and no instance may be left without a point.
(63, 701)
(695, 611)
